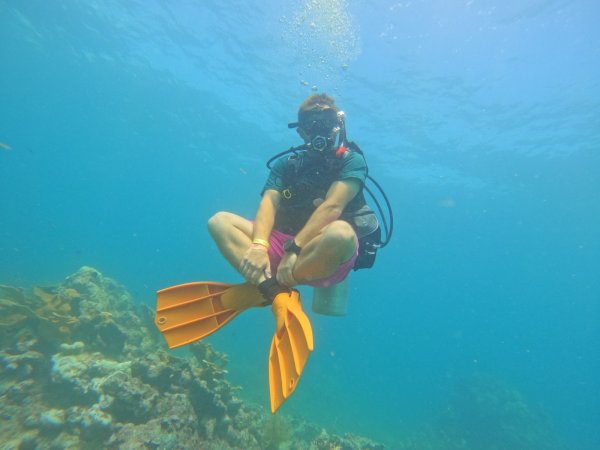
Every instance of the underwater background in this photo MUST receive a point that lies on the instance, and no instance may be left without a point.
(124, 125)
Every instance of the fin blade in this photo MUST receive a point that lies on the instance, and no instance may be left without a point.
(289, 370)
(275, 381)
(301, 340)
(189, 312)
(290, 349)
(194, 330)
(181, 294)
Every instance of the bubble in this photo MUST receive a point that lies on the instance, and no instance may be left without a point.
(323, 35)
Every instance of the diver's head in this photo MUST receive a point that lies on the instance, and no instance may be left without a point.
(319, 122)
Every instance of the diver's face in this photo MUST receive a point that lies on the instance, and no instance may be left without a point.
(318, 124)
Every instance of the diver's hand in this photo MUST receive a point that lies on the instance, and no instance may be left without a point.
(285, 275)
(255, 266)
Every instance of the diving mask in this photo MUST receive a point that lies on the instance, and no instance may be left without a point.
(318, 129)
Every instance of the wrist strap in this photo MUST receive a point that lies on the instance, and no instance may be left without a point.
(260, 247)
(262, 242)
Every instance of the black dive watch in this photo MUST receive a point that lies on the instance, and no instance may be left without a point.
(290, 246)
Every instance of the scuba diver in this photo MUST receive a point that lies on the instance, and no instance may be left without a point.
(312, 227)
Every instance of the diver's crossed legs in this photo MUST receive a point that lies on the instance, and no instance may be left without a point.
(191, 311)
(319, 259)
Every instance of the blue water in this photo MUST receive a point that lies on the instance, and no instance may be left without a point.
(126, 124)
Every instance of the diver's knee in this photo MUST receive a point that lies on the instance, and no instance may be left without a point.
(218, 222)
(342, 232)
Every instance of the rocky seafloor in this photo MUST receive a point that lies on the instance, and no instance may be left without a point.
(82, 366)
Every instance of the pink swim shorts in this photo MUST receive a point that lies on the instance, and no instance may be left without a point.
(276, 254)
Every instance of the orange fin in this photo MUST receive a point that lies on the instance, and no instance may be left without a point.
(188, 312)
(290, 347)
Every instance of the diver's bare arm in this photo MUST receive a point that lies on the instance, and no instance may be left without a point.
(338, 196)
(254, 264)
(265, 216)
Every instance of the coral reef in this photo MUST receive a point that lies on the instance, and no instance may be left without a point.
(82, 366)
